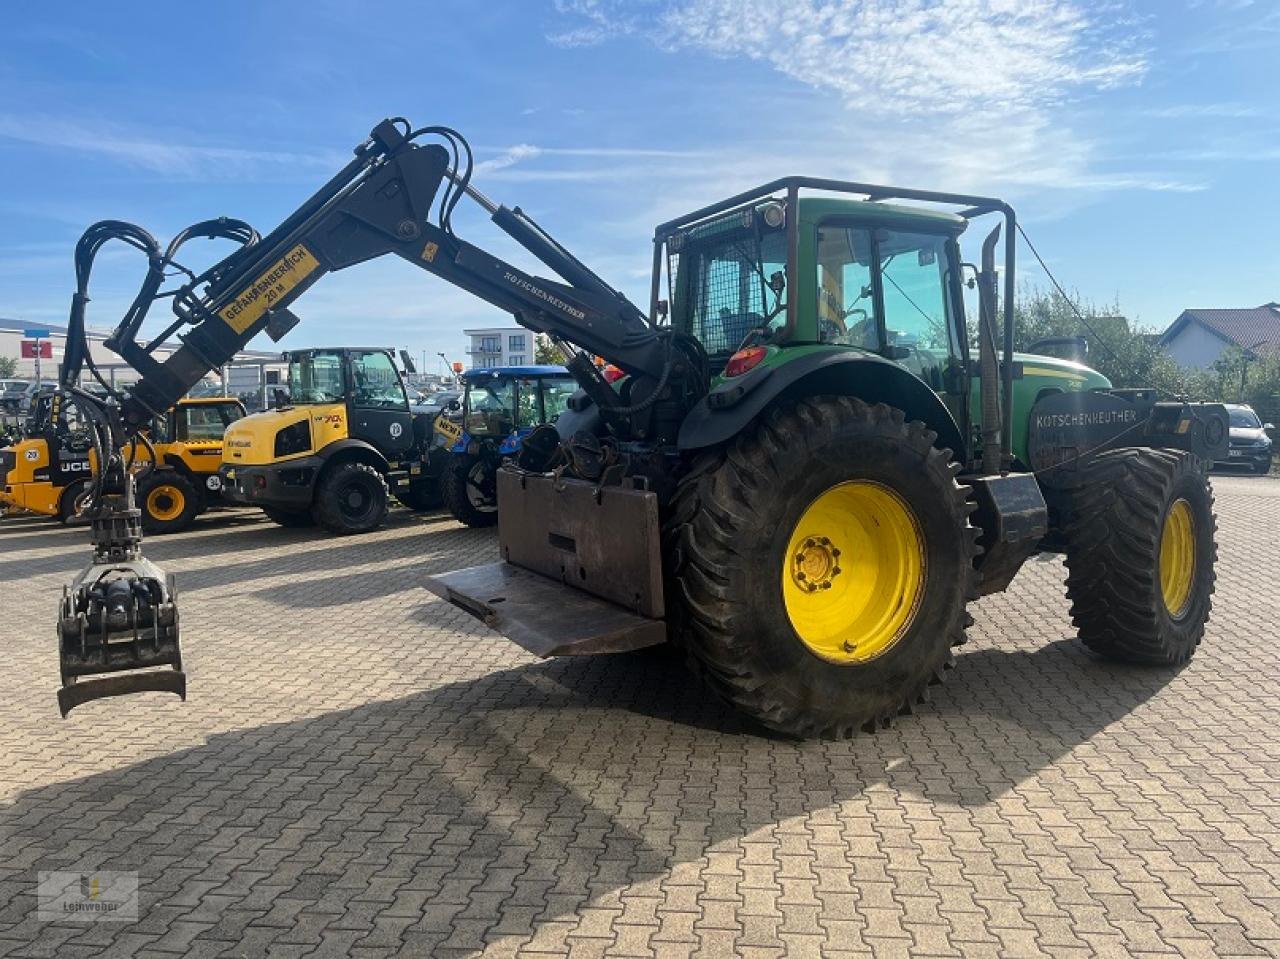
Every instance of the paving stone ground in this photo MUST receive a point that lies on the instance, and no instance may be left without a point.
(363, 771)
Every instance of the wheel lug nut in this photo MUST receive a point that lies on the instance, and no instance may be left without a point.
(835, 553)
(800, 574)
(836, 571)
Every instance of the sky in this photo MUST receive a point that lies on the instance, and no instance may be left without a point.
(1138, 139)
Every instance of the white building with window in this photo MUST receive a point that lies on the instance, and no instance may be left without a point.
(500, 346)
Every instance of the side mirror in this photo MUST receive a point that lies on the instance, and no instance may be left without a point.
(407, 362)
(452, 406)
(777, 282)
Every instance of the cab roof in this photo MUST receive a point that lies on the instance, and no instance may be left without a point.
(469, 376)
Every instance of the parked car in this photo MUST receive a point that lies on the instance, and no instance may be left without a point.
(435, 403)
(1250, 445)
(15, 395)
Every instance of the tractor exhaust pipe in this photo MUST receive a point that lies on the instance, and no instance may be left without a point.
(988, 358)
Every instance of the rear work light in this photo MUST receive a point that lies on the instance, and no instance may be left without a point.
(744, 360)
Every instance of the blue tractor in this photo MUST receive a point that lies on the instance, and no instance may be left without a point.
(500, 407)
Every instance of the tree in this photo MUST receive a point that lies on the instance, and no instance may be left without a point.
(1125, 356)
(547, 353)
(8, 366)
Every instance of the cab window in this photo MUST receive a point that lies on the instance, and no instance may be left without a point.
(917, 317)
(846, 300)
(526, 402)
(376, 383)
(206, 422)
(555, 396)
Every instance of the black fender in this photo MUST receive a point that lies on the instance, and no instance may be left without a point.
(355, 449)
(733, 404)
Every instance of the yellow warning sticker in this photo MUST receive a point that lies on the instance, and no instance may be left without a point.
(267, 290)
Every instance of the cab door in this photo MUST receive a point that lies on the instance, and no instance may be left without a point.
(378, 405)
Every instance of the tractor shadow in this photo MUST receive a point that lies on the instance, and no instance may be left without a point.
(497, 804)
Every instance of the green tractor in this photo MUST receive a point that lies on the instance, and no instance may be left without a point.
(811, 463)
(863, 464)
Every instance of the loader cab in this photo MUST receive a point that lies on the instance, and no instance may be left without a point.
(197, 421)
(360, 386)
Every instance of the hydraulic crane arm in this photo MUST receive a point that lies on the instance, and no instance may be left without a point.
(381, 203)
(118, 623)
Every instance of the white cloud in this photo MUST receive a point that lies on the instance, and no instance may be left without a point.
(966, 95)
(1198, 111)
(175, 159)
(890, 56)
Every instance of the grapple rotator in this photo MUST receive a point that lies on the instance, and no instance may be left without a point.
(118, 622)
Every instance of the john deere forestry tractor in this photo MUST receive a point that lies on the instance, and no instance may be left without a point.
(813, 463)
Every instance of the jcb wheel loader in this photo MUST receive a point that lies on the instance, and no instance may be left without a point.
(806, 472)
(49, 469)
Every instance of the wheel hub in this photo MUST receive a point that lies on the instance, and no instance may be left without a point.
(816, 564)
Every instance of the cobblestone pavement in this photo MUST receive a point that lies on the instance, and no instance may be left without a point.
(362, 770)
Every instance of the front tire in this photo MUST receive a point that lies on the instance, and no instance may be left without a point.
(67, 504)
(470, 491)
(169, 502)
(351, 498)
(1139, 537)
(823, 562)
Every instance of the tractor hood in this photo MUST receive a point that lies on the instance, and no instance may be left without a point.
(252, 441)
(1070, 374)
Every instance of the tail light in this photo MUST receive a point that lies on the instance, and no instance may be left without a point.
(744, 360)
(612, 374)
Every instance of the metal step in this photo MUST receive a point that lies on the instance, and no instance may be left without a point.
(544, 616)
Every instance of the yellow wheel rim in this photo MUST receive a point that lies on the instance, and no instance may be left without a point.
(1177, 557)
(165, 503)
(853, 573)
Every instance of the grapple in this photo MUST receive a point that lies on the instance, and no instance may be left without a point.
(118, 622)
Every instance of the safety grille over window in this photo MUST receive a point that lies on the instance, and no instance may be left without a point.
(721, 276)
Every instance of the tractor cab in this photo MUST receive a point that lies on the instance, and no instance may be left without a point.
(503, 405)
(500, 407)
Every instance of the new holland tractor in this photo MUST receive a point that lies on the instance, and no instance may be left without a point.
(814, 461)
(500, 406)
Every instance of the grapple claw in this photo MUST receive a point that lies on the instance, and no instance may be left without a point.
(118, 622)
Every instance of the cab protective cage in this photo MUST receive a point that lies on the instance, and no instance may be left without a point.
(970, 207)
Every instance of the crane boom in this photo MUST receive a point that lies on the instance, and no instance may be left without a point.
(119, 616)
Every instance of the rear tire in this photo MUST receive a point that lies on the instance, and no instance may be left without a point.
(351, 498)
(288, 518)
(470, 495)
(169, 502)
(732, 536)
(1132, 597)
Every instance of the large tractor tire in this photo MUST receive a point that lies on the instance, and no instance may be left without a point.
(420, 495)
(1139, 539)
(470, 491)
(822, 563)
(67, 504)
(169, 501)
(351, 498)
(289, 519)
